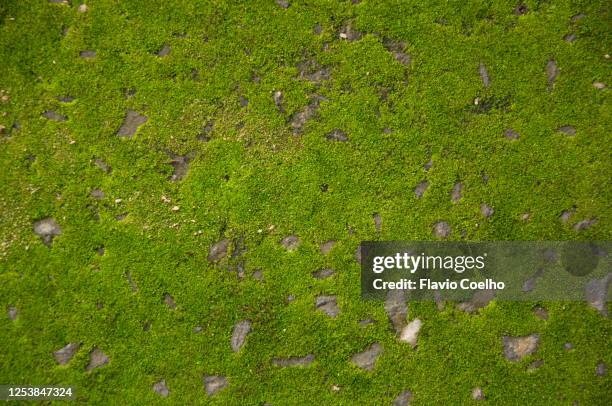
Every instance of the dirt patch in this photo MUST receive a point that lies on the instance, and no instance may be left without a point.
(54, 116)
(397, 49)
(349, 33)
(517, 348)
(102, 165)
(540, 312)
(97, 194)
(239, 334)
(328, 305)
(367, 359)
(218, 250)
(311, 70)
(132, 121)
(47, 229)
(205, 135)
(520, 10)
(65, 354)
(214, 384)
(290, 242)
(293, 361)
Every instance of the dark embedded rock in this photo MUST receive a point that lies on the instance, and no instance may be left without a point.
(97, 358)
(397, 49)
(293, 361)
(299, 119)
(484, 75)
(456, 194)
(511, 134)
(596, 293)
(169, 301)
(180, 163)
(165, 50)
(521, 9)
(88, 54)
(420, 189)
(323, 273)
(397, 309)
(601, 369)
(441, 229)
(552, 71)
(567, 130)
(52, 115)
(337, 135)
(12, 312)
(565, 215)
(540, 312)
(403, 399)
(65, 354)
(584, 224)
(97, 194)
(278, 101)
(47, 229)
(571, 37)
(66, 99)
(102, 165)
(480, 299)
(478, 394)
(516, 348)
(327, 246)
(132, 121)
(121, 216)
(367, 359)
(290, 242)
(218, 250)
(349, 33)
(328, 305)
(239, 335)
(377, 222)
(161, 388)
(283, 3)
(214, 384)
(486, 210)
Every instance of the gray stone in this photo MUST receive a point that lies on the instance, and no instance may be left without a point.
(327, 246)
(601, 369)
(441, 229)
(97, 358)
(12, 312)
(596, 293)
(218, 250)
(293, 361)
(323, 273)
(377, 222)
(283, 3)
(52, 115)
(132, 121)
(328, 305)
(215, 383)
(290, 242)
(102, 165)
(180, 163)
(516, 348)
(47, 229)
(552, 71)
(367, 359)
(571, 37)
(567, 130)
(511, 134)
(584, 224)
(278, 101)
(486, 210)
(477, 394)
(65, 354)
(97, 194)
(161, 388)
(299, 119)
(566, 214)
(420, 189)
(87, 54)
(239, 335)
(397, 309)
(484, 75)
(410, 333)
(169, 301)
(480, 299)
(397, 49)
(456, 194)
(403, 399)
(349, 33)
(337, 135)
(165, 50)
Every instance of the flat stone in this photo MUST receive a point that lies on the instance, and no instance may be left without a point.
(102, 165)
(47, 229)
(540, 313)
(571, 37)
(410, 333)
(584, 224)
(456, 194)
(599, 85)
(169, 301)
(441, 229)
(478, 394)
(511, 134)
(218, 250)
(165, 50)
(310, 70)
(283, 4)
(420, 189)
(258, 275)
(516, 348)
(161, 388)
(239, 334)
(97, 194)
(132, 121)
(602, 369)
(567, 130)
(97, 358)
(66, 99)
(552, 71)
(327, 246)
(479, 300)
(358, 254)
(215, 383)
(596, 293)
(377, 222)
(278, 101)
(290, 242)
(337, 135)
(52, 115)
(568, 346)
(566, 215)
(486, 210)
(323, 273)
(403, 399)
(397, 309)
(293, 361)
(87, 54)
(180, 163)
(349, 33)
(398, 50)
(577, 17)
(299, 119)
(367, 359)
(12, 312)
(484, 75)
(328, 305)
(65, 354)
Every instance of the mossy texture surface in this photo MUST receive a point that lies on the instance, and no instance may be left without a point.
(222, 155)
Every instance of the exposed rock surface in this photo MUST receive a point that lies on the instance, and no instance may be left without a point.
(410, 333)
(367, 359)
(239, 335)
(290, 242)
(328, 305)
(132, 121)
(65, 354)
(218, 250)
(294, 361)
(516, 348)
(47, 229)
(97, 358)
(396, 309)
(214, 383)
(161, 388)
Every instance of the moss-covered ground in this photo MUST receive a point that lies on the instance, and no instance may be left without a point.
(410, 100)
